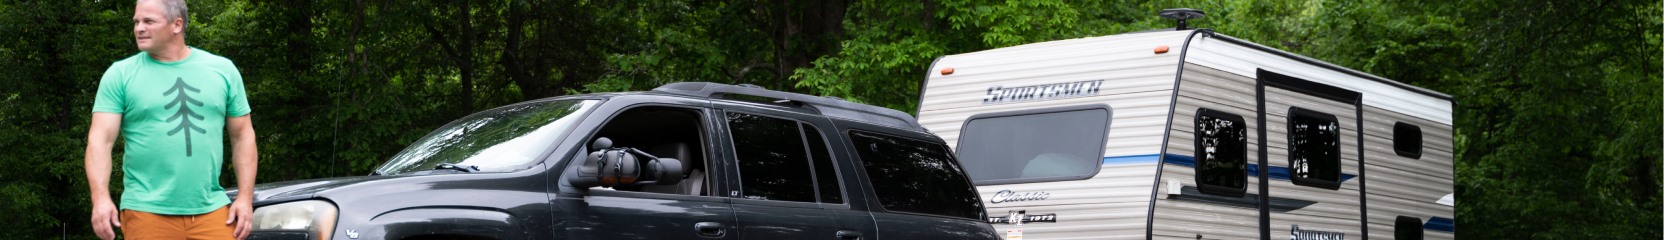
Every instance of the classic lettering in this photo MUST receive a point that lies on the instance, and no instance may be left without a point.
(1010, 196)
(1001, 94)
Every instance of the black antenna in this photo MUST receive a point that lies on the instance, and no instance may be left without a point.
(1181, 14)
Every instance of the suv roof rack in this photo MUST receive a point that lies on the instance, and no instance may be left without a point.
(829, 106)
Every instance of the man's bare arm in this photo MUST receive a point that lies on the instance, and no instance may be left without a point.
(101, 138)
(244, 158)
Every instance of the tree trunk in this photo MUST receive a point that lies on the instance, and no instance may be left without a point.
(465, 60)
(802, 31)
(513, 63)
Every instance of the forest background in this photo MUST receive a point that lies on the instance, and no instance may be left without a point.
(1558, 108)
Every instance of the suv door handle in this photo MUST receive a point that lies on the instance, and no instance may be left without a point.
(848, 234)
(709, 229)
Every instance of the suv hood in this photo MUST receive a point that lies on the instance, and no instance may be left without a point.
(302, 189)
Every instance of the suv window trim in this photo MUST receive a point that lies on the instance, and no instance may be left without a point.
(654, 195)
(814, 164)
(1109, 119)
(784, 203)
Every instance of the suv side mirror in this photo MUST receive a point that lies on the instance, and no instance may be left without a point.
(612, 167)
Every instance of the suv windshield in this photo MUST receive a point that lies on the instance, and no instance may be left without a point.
(495, 140)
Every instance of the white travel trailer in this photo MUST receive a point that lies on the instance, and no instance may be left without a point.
(1190, 134)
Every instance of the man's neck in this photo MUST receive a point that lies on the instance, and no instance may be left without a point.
(171, 54)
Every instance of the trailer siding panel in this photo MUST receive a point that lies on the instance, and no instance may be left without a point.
(1137, 86)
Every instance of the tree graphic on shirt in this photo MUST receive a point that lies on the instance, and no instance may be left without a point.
(184, 114)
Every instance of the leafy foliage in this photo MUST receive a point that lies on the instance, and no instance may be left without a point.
(1558, 127)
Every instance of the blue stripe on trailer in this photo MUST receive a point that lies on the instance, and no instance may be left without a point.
(1441, 224)
(1149, 158)
(1277, 173)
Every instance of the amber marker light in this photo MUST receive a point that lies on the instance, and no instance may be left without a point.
(946, 71)
(1162, 49)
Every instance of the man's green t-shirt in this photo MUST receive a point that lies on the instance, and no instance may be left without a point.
(173, 119)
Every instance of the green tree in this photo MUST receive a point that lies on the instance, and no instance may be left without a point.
(1557, 113)
(54, 53)
(1559, 124)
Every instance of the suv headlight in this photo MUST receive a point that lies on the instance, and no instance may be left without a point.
(314, 217)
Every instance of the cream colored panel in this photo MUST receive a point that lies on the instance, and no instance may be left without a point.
(1111, 205)
(1203, 87)
(1126, 63)
(1244, 60)
(1401, 186)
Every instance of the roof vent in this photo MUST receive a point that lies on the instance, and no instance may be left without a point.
(1181, 14)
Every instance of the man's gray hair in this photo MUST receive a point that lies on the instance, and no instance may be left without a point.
(174, 9)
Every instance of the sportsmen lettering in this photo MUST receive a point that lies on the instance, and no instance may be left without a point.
(1001, 94)
(1295, 233)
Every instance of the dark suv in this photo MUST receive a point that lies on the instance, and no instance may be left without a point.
(684, 161)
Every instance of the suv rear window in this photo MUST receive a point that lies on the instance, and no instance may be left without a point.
(916, 176)
(1034, 146)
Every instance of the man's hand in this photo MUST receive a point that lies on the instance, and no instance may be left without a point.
(241, 212)
(105, 219)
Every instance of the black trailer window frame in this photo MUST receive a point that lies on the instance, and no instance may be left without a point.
(1407, 228)
(1314, 148)
(1221, 144)
(1407, 140)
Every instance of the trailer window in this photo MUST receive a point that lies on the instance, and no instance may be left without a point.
(1063, 144)
(1407, 228)
(1220, 141)
(1314, 149)
(1407, 140)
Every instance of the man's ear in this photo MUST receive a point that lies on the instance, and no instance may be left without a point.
(178, 25)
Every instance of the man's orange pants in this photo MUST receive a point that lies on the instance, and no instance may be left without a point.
(139, 225)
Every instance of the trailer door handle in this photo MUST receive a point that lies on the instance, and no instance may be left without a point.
(709, 229)
(848, 234)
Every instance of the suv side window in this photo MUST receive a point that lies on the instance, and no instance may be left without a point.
(666, 132)
(776, 163)
(916, 176)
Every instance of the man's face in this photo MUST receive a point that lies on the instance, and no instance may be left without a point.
(151, 26)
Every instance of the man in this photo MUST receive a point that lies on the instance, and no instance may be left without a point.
(169, 102)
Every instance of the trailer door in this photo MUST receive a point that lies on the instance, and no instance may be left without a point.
(1309, 158)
